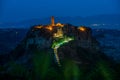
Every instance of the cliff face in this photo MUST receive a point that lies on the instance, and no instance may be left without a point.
(42, 39)
(46, 47)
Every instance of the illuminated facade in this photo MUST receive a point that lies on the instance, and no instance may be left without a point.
(60, 25)
(59, 33)
(81, 28)
(49, 28)
(38, 27)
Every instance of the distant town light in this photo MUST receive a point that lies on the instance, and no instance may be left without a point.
(81, 28)
(49, 28)
(59, 24)
(38, 27)
(16, 32)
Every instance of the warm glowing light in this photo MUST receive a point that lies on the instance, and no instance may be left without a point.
(59, 24)
(52, 21)
(38, 27)
(49, 28)
(59, 33)
(81, 28)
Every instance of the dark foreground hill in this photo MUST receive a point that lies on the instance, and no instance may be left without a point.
(58, 52)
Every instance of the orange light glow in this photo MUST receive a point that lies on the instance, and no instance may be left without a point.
(59, 24)
(38, 27)
(81, 28)
(49, 28)
(52, 21)
(59, 33)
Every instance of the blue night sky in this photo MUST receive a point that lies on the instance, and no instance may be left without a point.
(18, 10)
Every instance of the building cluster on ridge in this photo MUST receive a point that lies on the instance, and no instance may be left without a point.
(59, 30)
(58, 27)
(44, 36)
(56, 34)
(52, 25)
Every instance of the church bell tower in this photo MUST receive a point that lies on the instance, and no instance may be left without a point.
(52, 21)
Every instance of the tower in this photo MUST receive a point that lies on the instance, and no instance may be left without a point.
(52, 21)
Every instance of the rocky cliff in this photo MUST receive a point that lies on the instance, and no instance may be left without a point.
(46, 47)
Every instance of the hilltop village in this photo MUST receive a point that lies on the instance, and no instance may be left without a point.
(55, 35)
(50, 32)
(54, 51)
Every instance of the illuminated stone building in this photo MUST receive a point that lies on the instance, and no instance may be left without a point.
(59, 33)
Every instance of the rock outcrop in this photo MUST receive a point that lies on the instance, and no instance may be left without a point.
(69, 43)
